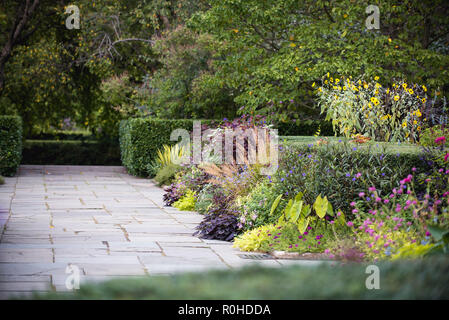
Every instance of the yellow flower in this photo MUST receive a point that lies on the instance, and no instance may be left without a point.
(388, 91)
(250, 93)
(415, 122)
(404, 85)
(337, 80)
(292, 45)
(313, 84)
(404, 125)
(424, 87)
(396, 98)
(410, 91)
(378, 85)
(365, 86)
(418, 113)
(319, 89)
(389, 39)
(325, 82)
(376, 78)
(344, 87)
(296, 68)
(423, 100)
(328, 74)
(235, 30)
(345, 16)
(373, 99)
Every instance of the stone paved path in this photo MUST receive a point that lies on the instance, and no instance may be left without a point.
(102, 220)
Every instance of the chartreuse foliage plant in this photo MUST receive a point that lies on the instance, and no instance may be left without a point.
(367, 108)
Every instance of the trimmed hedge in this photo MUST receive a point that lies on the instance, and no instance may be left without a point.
(305, 128)
(141, 138)
(67, 152)
(420, 279)
(10, 144)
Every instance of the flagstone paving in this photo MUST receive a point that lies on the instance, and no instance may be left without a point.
(101, 220)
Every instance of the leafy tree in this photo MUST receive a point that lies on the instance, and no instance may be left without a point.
(276, 49)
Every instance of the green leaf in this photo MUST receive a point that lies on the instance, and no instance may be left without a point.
(321, 206)
(437, 232)
(303, 223)
(275, 204)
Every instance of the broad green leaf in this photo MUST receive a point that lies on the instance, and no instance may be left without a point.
(437, 232)
(275, 204)
(303, 223)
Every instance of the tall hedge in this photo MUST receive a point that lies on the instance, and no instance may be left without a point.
(10, 144)
(141, 138)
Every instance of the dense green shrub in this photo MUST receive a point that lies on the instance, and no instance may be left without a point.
(166, 174)
(421, 279)
(255, 207)
(305, 128)
(141, 138)
(341, 170)
(10, 144)
(67, 152)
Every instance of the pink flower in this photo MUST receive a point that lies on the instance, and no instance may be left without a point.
(352, 204)
(349, 224)
(327, 251)
(446, 157)
(361, 194)
(441, 140)
(372, 189)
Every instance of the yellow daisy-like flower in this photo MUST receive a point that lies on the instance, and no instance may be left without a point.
(365, 86)
(378, 85)
(404, 85)
(313, 84)
(296, 68)
(376, 78)
(319, 89)
(423, 100)
(418, 113)
(404, 124)
(344, 87)
(328, 74)
(424, 88)
(415, 122)
(396, 98)
(388, 91)
(373, 99)
(337, 80)
(410, 91)
(325, 82)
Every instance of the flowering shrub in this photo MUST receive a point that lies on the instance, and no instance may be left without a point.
(368, 108)
(339, 170)
(255, 207)
(389, 226)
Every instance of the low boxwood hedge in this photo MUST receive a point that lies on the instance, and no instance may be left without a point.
(10, 144)
(141, 138)
(71, 152)
(421, 279)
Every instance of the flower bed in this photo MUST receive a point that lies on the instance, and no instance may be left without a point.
(335, 197)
